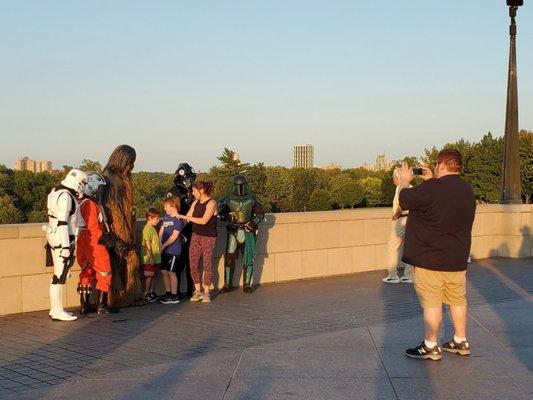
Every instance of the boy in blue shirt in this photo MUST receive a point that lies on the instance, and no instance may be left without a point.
(169, 232)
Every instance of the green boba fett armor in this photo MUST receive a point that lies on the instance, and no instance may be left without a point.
(243, 213)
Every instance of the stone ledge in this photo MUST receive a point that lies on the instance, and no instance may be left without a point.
(9, 231)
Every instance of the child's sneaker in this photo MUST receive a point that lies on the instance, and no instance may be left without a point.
(165, 299)
(452, 346)
(150, 297)
(174, 299)
(196, 296)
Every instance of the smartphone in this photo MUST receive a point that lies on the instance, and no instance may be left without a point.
(418, 171)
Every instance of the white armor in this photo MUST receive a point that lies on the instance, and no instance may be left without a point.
(61, 233)
(62, 218)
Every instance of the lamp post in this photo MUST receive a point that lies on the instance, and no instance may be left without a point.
(511, 193)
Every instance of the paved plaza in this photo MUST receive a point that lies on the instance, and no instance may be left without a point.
(331, 338)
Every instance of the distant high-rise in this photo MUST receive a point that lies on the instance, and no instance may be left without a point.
(382, 163)
(45, 166)
(303, 156)
(27, 164)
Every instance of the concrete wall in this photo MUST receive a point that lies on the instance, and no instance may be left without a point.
(290, 246)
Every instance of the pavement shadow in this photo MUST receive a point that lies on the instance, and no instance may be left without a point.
(509, 284)
(48, 353)
(163, 385)
(401, 303)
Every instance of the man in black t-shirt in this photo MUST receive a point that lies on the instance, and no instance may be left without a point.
(437, 244)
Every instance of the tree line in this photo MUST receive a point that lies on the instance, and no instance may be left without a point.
(23, 193)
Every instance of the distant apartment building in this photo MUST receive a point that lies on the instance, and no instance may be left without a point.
(303, 156)
(383, 163)
(27, 164)
(368, 167)
(331, 167)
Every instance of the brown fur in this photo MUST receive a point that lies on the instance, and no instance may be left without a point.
(119, 204)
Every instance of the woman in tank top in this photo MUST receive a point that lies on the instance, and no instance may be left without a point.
(203, 216)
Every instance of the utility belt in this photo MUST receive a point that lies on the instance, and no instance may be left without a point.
(48, 251)
(234, 227)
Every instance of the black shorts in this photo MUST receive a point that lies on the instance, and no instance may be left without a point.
(169, 262)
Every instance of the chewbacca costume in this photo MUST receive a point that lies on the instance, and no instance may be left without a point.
(118, 201)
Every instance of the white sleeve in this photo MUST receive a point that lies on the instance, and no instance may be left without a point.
(63, 208)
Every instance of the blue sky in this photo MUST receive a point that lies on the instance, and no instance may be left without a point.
(180, 80)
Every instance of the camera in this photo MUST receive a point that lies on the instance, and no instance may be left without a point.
(418, 171)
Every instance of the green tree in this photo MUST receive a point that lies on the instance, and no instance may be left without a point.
(319, 200)
(484, 168)
(429, 158)
(303, 184)
(9, 214)
(526, 164)
(89, 165)
(38, 216)
(6, 181)
(278, 189)
(150, 190)
(231, 162)
(388, 188)
(372, 190)
(345, 191)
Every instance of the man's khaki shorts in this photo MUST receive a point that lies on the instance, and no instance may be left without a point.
(436, 287)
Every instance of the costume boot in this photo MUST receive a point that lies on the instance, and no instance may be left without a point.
(247, 278)
(85, 303)
(228, 279)
(56, 303)
(102, 307)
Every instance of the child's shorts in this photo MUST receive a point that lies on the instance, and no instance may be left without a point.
(169, 262)
(150, 269)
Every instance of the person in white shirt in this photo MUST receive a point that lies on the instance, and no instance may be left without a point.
(396, 239)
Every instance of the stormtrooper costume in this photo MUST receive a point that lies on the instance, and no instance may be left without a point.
(61, 233)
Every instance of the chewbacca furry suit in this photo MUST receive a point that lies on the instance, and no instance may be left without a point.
(126, 288)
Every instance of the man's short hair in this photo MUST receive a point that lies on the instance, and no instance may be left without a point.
(452, 159)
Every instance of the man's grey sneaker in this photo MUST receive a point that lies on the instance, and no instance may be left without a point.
(424, 353)
(206, 298)
(197, 296)
(452, 346)
(391, 280)
(406, 280)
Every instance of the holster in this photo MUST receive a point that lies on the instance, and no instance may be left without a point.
(49, 262)
(232, 228)
(68, 263)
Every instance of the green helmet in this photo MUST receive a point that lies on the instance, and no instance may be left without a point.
(239, 185)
